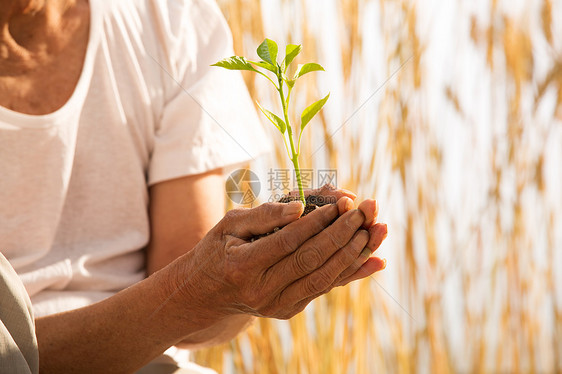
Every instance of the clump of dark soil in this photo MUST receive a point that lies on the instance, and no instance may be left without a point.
(312, 202)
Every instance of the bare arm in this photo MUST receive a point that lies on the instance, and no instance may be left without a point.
(117, 335)
(182, 211)
(224, 276)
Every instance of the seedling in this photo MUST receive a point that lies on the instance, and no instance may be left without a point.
(268, 66)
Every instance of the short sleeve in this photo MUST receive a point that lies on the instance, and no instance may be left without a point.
(208, 120)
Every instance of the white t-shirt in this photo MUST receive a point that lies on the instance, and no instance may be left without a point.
(147, 108)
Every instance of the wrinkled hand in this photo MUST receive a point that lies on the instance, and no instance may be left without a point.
(278, 275)
(364, 265)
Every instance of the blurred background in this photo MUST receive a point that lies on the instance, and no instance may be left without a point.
(449, 114)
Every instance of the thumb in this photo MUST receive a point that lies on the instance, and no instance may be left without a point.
(247, 223)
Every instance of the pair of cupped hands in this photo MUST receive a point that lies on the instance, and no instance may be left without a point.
(278, 275)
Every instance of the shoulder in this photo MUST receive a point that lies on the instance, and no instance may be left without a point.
(173, 31)
(173, 16)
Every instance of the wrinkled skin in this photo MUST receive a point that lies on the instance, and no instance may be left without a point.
(278, 275)
(222, 282)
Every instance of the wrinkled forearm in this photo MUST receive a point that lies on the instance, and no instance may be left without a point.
(119, 334)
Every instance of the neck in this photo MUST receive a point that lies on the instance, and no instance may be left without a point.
(31, 30)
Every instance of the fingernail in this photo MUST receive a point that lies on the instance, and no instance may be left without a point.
(348, 192)
(348, 204)
(292, 208)
(385, 230)
(383, 263)
(365, 252)
(376, 208)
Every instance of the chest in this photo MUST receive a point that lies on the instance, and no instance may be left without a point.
(40, 82)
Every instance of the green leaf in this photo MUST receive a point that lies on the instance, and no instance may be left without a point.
(311, 111)
(265, 65)
(235, 63)
(307, 68)
(291, 51)
(267, 50)
(278, 122)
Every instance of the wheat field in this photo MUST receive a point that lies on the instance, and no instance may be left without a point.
(449, 114)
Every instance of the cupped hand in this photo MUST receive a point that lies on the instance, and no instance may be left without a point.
(277, 275)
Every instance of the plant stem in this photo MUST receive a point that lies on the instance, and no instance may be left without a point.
(295, 160)
(295, 154)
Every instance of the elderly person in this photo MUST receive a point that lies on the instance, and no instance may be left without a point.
(113, 134)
